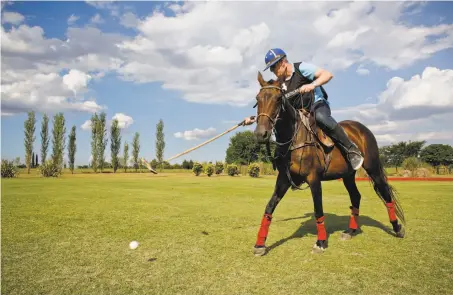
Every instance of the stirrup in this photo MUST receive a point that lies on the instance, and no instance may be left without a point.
(355, 157)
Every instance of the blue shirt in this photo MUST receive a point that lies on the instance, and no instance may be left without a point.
(308, 70)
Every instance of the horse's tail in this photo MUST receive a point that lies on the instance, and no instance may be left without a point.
(381, 186)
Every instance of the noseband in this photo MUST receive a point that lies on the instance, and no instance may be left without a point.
(267, 115)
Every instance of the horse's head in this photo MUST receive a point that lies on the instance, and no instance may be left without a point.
(269, 105)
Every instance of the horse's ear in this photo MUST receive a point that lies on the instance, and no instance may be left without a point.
(261, 79)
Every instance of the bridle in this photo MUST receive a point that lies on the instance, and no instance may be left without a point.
(273, 120)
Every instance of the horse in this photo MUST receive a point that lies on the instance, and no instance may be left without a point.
(301, 157)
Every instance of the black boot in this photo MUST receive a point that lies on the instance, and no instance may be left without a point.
(353, 154)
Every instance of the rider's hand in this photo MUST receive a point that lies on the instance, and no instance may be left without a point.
(249, 120)
(307, 88)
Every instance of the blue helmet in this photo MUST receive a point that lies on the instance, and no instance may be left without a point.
(273, 56)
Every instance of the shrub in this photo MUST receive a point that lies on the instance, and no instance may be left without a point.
(197, 168)
(9, 170)
(219, 168)
(49, 169)
(209, 170)
(422, 172)
(232, 170)
(411, 164)
(254, 170)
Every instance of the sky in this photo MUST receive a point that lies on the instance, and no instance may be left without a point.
(195, 65)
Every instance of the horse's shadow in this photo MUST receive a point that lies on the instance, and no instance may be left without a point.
(334, 223)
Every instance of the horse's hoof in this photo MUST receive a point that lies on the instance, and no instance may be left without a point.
(401, 233)
(345, 236)
(348, 234)
(319, 247)
(259, 251)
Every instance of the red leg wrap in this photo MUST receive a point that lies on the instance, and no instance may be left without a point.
(322, 234)
(391, 210)
(353, 220)
(264, 229)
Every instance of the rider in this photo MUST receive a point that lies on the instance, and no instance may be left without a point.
(308, 77)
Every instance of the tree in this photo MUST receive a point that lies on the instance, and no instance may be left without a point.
(185, 164)
(136, 149)
(115, 144)
(437, 154)
(160, 143)
(244, 149)
(396, 154)
(36, 161)
(33, 160)
(94, 142)
(384, 156)
(72, 148)
(125, 156)
(101, 133)
(44, 138)
(58, 140)
(413, 148)
(29, 131)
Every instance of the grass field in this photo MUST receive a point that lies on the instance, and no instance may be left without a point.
(71, 236)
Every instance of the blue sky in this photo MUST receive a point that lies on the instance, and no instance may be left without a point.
(194, 65)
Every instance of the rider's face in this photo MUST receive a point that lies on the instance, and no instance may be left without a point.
(278, 69)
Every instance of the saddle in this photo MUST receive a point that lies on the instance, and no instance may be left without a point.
(308, 119)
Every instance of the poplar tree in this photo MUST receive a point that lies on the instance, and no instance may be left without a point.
(29, 131)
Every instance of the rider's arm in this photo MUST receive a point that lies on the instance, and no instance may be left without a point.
(319, 75)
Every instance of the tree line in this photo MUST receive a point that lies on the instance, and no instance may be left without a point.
(54, 165)
(242, 150)
(434, 154)
(99, 142)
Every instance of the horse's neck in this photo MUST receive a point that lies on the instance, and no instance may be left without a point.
(288, 123)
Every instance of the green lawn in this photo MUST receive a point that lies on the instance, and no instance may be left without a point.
(71, 236)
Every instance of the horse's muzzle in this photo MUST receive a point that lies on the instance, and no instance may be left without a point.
(262, 135)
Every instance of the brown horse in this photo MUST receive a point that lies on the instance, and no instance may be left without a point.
(301, 157)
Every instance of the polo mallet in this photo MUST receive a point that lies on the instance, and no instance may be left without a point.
(147, 165)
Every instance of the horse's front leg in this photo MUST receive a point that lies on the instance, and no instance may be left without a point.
(316, 192)
(281, 187)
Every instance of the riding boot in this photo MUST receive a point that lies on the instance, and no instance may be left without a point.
(354, 156)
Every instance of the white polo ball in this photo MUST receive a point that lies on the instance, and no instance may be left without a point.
(133, 245)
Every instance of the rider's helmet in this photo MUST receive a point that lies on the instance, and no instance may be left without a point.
(273, 56)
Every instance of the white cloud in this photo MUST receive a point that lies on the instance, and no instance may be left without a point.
(362, 71)
(42, 92)
(418, 108)
(86, 126)
(124, 121)
(31, 67)
(25, 40)
(76, 80)
(72, 19)
(105, 5)
(97, 19)
(213, 47)
(196, 133)
(13, 18)
(129, 20)
(211, 51)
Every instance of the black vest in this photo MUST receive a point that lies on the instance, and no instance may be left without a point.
(300, 100)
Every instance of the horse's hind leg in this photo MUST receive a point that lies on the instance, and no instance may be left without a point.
(354, 195)
(388, 195)
(281, 187)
